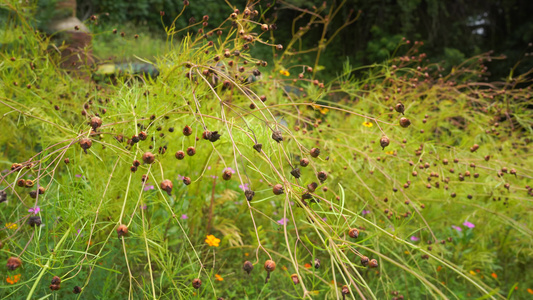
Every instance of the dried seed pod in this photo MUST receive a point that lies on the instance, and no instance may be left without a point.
(29, 183)
(187, 130)
(16, 167)
(180, 155)
(400, 108)
(474, 148)
(122, 230)
(312, 187)
(191, 151)
(226, 175)
(211, 136)
(95, 123)
(365, 261)
(404, 122)
(13, 263)
(56, 280)
(279, 47)
(148, 157)
(373, 263)
(248, 267)
(166, 185)
(264, 27)
(296, 173)
(270, 266)
(142, 135)
(276, 136)
(295, 279)
(196, 283)
(277, 189)
(345, 291)
(258, 147)
(384, 142)
(21, 182)
(186, 180)
(76, 290)
(487, 157)
(304, 162)
(85, 144)
(249, 194)
(353, 233)
(67, 161)
(35, 221)
(55, 287)
(41, 190)
(315, 152)
(317, 263)
(322, 176)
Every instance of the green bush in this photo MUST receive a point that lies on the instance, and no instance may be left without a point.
(442, 204)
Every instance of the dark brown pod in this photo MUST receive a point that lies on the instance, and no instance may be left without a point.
(365, 261)
(249, 194)
(55, 287)
(56, 280)
(166, 185)
(95, 123)
(35, 221)
(13, 263)
(248, 267)
(142, 135)
(404, 122)
(148, 157)
(295, 279)
(85, 144)
(296, 173)
(21, 182)
(277, 136)
(122, 230)
(384, 142)
(186, 180)
(277, 189)
(322, 176)
(191, 151)
(196, 283)
(304, 162)
(315, 152)
(353, 233)
(226, 175)
(312, 187)
(187, 130)
(76, 290)
(400, 108)
(373, 263)
(258, 147)
(180, 155)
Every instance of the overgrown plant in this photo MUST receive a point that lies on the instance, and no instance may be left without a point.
(218, 180)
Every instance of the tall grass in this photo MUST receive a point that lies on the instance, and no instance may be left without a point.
(443, 206)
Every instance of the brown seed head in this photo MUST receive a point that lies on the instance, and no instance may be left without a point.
(180, 155)
(315, 152)
(85, 144)
(96, 122)
(56, 280)
(353, 233)
(122, 230)
(248, 267)
(304, 162)
(404, 122)
(384, 141)
(277, 189)
(400, 108)
(365, 261)
(187, 130)
(196, 283)
(270, 265)
(373, 263)
(166, 185)
(148, 157)
(191, 151)
(13, 263)
(295, 279)
(226, 175)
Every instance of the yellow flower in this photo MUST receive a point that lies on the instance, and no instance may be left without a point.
(246, 254)
(218, 277)
(14, 279)
(367, 124)
(472, 273)
(390, 152)
(284, 72)
(11, 226)
(212, 241)
(324, 110)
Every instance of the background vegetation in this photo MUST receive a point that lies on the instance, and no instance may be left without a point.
(409, 177)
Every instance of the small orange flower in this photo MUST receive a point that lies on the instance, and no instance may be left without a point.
(439, 268)
(478, 270)
(530, 291)
(307, 266)
(494, 275)
(367, 124)
(218, 277)
(246, 254)
(212, 241)
(14, 279)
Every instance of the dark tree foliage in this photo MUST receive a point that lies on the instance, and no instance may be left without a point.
(451, 30)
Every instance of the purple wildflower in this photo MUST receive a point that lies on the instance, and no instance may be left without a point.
(34, 210)
(148, 187)
(78, 175)
(414, 238)
(457, 228)
(365, 212)
(283, 221)
(468, 224)
(244, 187)
(230, 169)
(180, 177)
(184, 217)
